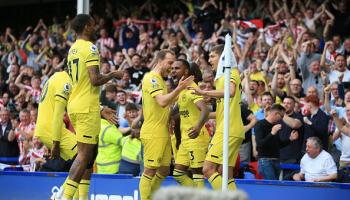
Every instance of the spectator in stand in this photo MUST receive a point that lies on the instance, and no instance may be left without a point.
(37, 154)
(266, 101)
(136, 71)
(317, 165)
(108, 96)
(129, 37)
(105, 44)
(24, 132)
(339, 70)
(296, 89)
(251, 91)
(307, 56)
(269, 142)
(316, 122)
(291, 122)
(312, 76)
(33, 89)
(121, 101)
(131, 113)
(105, 68)
(8, 144)
(33, 115)
(117, 60)
(343, 132)
(249, 121)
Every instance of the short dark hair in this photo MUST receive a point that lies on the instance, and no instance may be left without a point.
(111, 88)
(79, 22)
(255, 81)
(136, 54)
(121, 91)
(276, 107)
(162, 53)
(131, 106)
(218, 49)
(339, 54)
(25, 111)
(289, 97)
(267, 93)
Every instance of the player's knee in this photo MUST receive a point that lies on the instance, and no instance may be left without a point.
(208, 170)
(149, 172)
(164, 171)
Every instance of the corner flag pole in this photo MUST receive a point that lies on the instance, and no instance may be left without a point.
(83, 7)
(227, 73)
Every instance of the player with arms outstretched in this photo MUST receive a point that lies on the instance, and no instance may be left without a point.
(213, 161)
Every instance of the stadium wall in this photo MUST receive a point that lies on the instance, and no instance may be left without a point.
(23, 185)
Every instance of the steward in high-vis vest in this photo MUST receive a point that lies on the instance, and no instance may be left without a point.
(109, 149)
(131, 154)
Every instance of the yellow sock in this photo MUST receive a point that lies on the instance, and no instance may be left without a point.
(145, 187)
(84, 189)
(198, 180)
(76, 194)
(70, 187)
(216, 181)
(156, 181)
(231, 184)
(182, 178)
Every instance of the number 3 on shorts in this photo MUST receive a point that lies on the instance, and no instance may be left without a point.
(191, 154)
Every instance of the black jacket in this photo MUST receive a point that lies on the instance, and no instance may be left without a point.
(7, 148)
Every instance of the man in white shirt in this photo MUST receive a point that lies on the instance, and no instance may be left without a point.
(339, 69)
(343, 132)
(317, 165)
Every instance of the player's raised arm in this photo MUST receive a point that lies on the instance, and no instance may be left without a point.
(166, 99)
(98, 79)
(214, 93)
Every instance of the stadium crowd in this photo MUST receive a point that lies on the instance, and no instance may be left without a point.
(291, 53)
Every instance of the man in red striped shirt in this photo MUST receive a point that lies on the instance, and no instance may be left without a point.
(105, 44)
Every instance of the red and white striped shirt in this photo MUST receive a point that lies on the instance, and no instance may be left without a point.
(35, 93)
(21, 138)
(105, 44)
(34, 154)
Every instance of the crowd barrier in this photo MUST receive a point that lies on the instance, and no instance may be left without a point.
(40, 185)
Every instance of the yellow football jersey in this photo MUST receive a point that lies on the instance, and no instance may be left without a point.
(85, 96)
(58, 87)
(189, 116)
(156, 117)
(236, 124)
(254, 107)
(278, 99)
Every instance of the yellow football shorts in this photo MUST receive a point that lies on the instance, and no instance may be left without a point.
(87, 126)
(215, 149)
(68, 144)
(157, 152)
(191, 156)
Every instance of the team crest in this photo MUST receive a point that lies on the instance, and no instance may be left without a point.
(93, 48)
(66, 88)
(154, 83)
